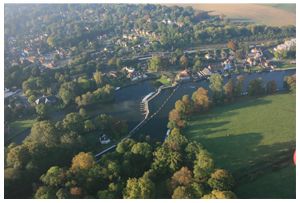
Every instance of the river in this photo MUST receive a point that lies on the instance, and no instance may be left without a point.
(128, 100)
(157, 126)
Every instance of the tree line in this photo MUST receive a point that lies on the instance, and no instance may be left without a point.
(219, 93)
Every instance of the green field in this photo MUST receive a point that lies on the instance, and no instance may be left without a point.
(19, 126)
(164, 80)
(248, 133)
(279, 184)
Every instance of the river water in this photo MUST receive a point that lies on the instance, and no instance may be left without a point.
(127, 104)
(157, 127)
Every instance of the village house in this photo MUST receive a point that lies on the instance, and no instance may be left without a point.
(286, 46)
(46, 100)
(205, 72)
(228, 67)
(112, 74)
(183, 75)
(207, 56)
(255, 57)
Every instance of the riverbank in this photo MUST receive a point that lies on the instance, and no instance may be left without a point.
(127, 102)
(157, 128)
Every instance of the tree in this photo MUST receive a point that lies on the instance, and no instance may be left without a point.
(271, 87)
(173, 59)
(114, 61)
(113, 170)
(197, 65)
(197, 189)
(203, 166)
(62, 194)
(175, 120)
(142, 188)
(184, 61)
(239, 85)
(105, 194)
(181, 192)
(45, 192)
(142, 149)
(67, 92)
(82, 161)
(232, 45)
(17, 157)
(51, 41)
(82, 112)
(43, 133)
(290, 82)
(166, 160)
(255, 87)
(183, 177)
(98, 77)
(89, 125)
(125, 145)
(73, 122)
(155, 64)
(188, 105)
(221, 180)
(201, 99)
(175, 141)
(215, 85)
(277, 55)
(216, 194)
(32, 99)
(191, 150)
(54, 177)
(41, 109)
(76, 192)
(71, 140)
(180, 107)
(229, 90)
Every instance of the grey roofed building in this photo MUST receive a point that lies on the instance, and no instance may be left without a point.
(46, 100)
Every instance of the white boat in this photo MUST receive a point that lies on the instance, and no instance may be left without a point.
(167, 134)
(117, 88)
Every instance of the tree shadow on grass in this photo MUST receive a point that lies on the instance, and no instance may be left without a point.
(206, 129)
(238, 152)
(229, 110)
(245, 102)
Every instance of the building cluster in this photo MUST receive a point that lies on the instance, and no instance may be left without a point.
(134, 74)
(170, 22)
(286, 46)
(31, 53)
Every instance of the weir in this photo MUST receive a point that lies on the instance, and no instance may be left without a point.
(145, 107)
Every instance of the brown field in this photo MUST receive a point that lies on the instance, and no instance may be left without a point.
(259, 13)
